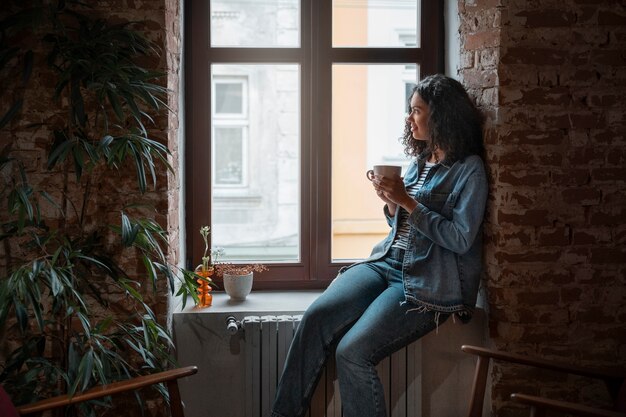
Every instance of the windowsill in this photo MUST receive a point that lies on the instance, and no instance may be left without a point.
(259, 302)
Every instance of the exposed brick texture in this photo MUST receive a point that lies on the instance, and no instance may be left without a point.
(160, 23)
(556, 259)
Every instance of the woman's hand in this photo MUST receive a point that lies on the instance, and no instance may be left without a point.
(381, 194)
(392, 191)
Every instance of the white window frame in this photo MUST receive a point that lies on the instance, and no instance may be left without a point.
(231, 120)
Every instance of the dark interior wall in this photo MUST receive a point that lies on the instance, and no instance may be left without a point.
(551, 76)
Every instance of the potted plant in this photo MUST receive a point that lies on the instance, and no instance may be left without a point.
(238, 278)
(81, 262)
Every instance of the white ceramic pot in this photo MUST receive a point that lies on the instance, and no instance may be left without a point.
(238, 286)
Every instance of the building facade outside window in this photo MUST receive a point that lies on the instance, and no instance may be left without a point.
(288, 103)
(230, 123)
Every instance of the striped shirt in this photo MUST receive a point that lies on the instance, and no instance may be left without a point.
(402, 236)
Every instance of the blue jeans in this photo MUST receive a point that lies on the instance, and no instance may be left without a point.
(361, 313)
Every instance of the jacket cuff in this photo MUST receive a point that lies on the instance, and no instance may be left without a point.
(418, 212)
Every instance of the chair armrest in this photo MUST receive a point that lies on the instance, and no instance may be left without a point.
(541, 403)
(110, 389)
(614, 379)
(609, 375)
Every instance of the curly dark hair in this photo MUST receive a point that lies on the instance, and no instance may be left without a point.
(455, 124)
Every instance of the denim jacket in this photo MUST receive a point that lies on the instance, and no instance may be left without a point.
(443, 261)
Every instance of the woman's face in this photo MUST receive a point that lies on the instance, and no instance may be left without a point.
(418, 118)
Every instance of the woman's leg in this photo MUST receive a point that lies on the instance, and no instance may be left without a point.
(385, 327)
(324, 322)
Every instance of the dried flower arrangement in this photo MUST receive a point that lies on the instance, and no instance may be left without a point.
(210, 263)
(238, 269)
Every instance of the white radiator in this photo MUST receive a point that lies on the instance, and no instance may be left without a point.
(238, 370)
(267, 339)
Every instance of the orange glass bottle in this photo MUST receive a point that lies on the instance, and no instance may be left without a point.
(205, 298)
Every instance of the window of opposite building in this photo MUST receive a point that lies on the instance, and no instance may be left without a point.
(288, 103)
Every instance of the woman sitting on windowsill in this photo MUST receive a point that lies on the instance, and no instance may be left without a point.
(425, 270)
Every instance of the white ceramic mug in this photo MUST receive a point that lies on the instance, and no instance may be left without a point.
(384, 171)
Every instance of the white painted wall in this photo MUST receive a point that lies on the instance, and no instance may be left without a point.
(452, 41)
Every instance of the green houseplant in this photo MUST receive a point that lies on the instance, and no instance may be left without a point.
(72, 313)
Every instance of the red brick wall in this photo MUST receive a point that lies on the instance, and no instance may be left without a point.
(114, 189)
(160, 24)
(551, 76)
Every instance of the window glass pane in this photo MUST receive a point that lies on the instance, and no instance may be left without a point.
(228, 144)
(368, 110)
(252, 23)
(376, 23)
(228, 97)
(256, 195)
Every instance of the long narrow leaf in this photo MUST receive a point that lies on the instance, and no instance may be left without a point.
(35, 303)
(150, 270)
(94, 261)
(141, 172)
(83, 374)
(21, 313)
(129, 231)
(10, 114)
(167, 271)
(126, 285)
(85, 323)
(23, 195)
(137, 348)
(60, 148)
(79, 162)
(78, 104)
(55, 284)
(51, 200)
(88, 369)
(115, 103)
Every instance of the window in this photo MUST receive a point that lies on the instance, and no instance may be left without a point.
(230, 129)
(255, 159)
(288, 103)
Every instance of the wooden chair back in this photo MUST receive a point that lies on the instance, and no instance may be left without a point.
(169, 377)
(614, 380)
